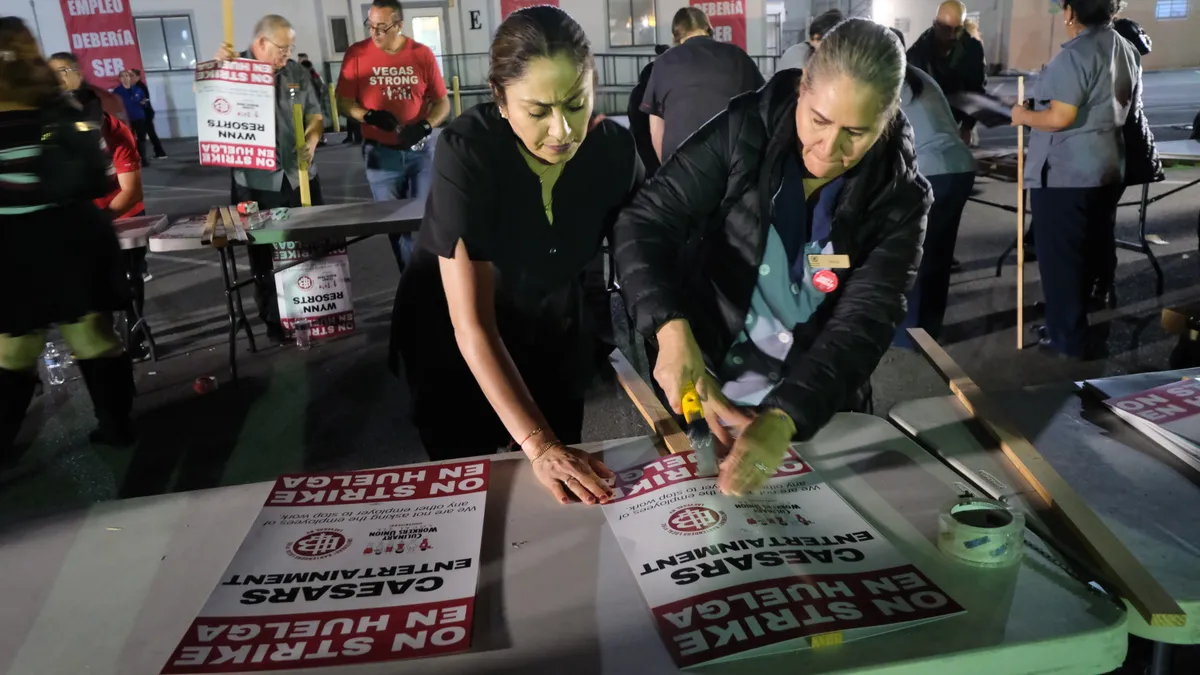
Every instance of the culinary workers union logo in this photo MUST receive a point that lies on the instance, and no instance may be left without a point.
(221, 105)
(305, 283)
(693, 519)
(319, 544)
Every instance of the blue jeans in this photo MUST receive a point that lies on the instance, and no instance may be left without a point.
(398, 174)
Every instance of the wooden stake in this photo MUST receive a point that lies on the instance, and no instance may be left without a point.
(210, 224)
(298, 121)
(221, 234)
(1021, 220)
(1110, 556)
(337, 122)
(457, 98)
(642, 395)
(227, 10)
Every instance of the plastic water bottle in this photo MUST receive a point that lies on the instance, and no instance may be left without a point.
(54, 364)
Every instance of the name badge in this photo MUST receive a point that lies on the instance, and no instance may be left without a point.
(829, 262)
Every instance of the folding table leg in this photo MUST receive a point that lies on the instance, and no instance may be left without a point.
(1160, 662)
(233, 319)
(237, 299)
(1142, 208)
(139, 320)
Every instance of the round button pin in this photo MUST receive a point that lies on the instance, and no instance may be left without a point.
(825, 281)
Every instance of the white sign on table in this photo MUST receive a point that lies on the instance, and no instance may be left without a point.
(347, 568)
(317, 289)
(728, 578)
(235, 112)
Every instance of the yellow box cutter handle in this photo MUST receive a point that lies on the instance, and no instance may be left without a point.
(692, 409)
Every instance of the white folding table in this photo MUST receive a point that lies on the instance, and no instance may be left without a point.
(110, 590)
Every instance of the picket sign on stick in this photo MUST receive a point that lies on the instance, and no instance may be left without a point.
(298, 121)
(1110, 556)
(1021, 220)
(642, 395)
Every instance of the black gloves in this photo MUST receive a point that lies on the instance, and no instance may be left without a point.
(381, 119)
(411, 134)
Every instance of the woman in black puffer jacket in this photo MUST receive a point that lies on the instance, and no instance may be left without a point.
(775, 248)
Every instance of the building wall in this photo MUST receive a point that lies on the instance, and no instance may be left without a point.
(1037, 35)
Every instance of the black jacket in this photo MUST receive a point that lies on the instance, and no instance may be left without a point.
(1142, 164)
(690, 243)
(964, 69)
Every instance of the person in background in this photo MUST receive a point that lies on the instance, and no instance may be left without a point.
(322, 92)
(639, 121)
(66, 65)
(947, 163)
(57, 243)
(811, 211)
(124, 199)
(491, 318)
(1075, 166)
(954, 59)
(135, 100)
(151, 132)
(693, 81)
(399, 107)
(797, 55)
(274, 40)
(1142, 163)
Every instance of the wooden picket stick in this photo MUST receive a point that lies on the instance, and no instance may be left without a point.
(210, 224)
(1021, 220)
(337, 122)
(661, 422)
(227, 10)
(457, 97)
(1110, 556)
(298, 121)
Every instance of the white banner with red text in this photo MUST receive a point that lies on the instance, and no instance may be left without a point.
(347, 568)
(235, 113)
(317, 290)
(732, 577)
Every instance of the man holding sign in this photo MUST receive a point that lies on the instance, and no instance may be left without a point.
(392, 84)
(274, 41)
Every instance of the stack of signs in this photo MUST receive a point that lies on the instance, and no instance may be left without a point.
(733, 577)
(340, 569)
(235, 113)
(1168, 414)
(317, 290)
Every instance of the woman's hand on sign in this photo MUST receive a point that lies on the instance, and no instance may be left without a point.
(226, 53)
(680, 362)
(756, 454)
(570, 472)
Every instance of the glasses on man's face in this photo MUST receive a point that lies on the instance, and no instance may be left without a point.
(947, 31)
(65, 70)
(286, 51)
(379, 28)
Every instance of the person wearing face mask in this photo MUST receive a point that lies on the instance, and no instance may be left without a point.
(953, 58)
(770, 258)
(1075, 167)
(492, 318)
(274, 41)
(798, 55)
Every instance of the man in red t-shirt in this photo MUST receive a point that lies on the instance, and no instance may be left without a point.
(392, 84)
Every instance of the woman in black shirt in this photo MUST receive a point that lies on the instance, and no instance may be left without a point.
(522, 195)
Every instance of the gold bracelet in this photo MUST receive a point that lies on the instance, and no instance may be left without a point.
(546, 448)
(533, 433)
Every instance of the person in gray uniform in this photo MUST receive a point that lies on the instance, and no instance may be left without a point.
(947, 163)
(797, 55)
(1075, 164)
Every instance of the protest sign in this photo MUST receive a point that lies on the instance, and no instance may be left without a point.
(317, 290)
(235, 112)
(732, 577)
(347, 568)
(728, 19)
(102, 38)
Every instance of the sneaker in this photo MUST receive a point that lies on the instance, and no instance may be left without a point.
(147, 277)
(160, 157)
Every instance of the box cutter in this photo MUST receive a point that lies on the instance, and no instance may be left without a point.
(698, 432)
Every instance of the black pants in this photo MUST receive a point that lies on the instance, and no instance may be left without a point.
(1076, 248)
(353, 130)
(261, 264)
(135, 262)
(927, 300)
(153, 134)
(139, 131)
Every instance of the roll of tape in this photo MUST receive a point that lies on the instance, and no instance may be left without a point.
(982, 532)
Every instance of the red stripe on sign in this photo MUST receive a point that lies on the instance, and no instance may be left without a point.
(1163, 404)
(322, 639)
(237, 155)
(748, 616)
(679, 468)
(381, 485)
